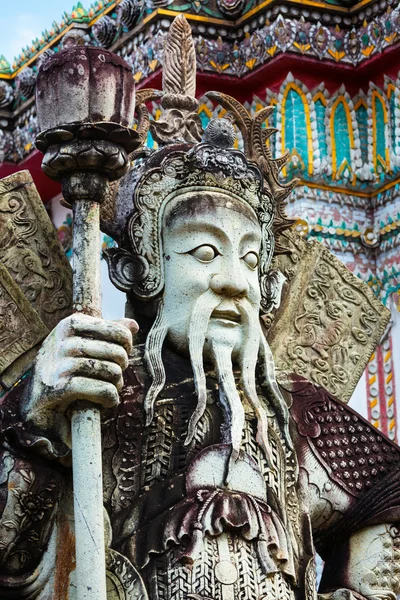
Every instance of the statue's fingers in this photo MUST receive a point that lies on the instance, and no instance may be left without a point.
(100, 329)
(132, 327)
(101, 393)
(90, 367)
(130, 324)
(97, 349)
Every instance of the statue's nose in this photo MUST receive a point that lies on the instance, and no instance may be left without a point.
(229, 284)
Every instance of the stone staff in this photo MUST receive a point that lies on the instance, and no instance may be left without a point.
(85, 103)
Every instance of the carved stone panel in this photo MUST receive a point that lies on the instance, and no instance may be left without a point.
(21, 328)
(329, 321)
(35, 279)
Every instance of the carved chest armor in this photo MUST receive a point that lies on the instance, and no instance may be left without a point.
(188, 533)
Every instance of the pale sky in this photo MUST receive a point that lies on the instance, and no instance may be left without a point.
(21, 21)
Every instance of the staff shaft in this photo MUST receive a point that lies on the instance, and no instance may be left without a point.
(85, 422)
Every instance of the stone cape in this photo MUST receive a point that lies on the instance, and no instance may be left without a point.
(173, 521)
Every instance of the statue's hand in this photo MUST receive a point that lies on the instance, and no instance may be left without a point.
(82, 359)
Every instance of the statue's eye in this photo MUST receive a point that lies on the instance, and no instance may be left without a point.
(251, 259)
(204, 253)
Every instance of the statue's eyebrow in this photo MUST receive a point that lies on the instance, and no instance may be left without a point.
(251, 236)
(205, 227)
(198, 226)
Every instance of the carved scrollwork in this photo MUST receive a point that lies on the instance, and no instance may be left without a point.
(29, 499)
(21, 328)
(123, 580)
(36, 279)
(330, 321)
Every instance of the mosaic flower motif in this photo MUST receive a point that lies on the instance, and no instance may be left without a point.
(395, 20)
(338, 39)
(267, 35)
(376, 33)
(364, 37)
(202, 53)
(320, 38)
(221, 55)
(128, 12)
(352, 46)
(25, 83)
(284, 32)
(238, 62)
(104, 31)
(303, 35)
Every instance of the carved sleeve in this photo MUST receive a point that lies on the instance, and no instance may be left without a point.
(25, 435)
(30, 489)
(352, 477)
(29, 493)
(368, 563)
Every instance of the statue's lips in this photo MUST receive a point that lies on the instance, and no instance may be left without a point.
(226, 315)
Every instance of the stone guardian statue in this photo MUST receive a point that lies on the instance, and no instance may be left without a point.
(222, 476)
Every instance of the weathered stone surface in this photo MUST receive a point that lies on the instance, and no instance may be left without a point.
(329, 321)
(21, 328)
(36, 277)
(84, 85)
(218, 482)
(85, 104)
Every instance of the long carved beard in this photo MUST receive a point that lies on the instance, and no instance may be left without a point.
(253, 347)
(153, 359)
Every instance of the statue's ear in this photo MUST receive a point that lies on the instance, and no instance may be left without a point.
(125, 269)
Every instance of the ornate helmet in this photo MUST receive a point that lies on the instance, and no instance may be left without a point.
(190, 160)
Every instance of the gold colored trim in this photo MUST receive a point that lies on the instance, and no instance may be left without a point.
(359, 5)
(361, 102)
(35, 57)
(191, 17)
(339, 99)
(319, 96)
(390, 89)
(204, 108)
(214, 20)
(346, 191)
(108, 9)
(313, 3)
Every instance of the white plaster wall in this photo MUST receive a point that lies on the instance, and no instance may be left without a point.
(359, 400)
(58, 212)
(396, 361)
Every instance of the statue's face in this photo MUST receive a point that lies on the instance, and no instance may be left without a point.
(210, 243)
